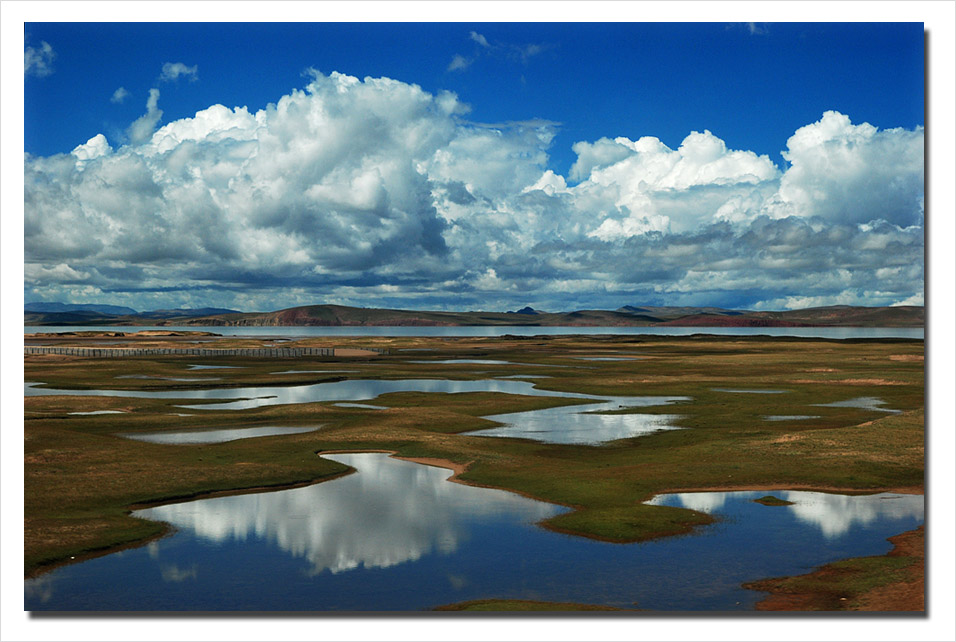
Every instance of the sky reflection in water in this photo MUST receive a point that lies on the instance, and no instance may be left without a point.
(584, 424)
(215, 436)
(568, 425)
(348, 390)
(399, 536)
(864, 403)
(834, 515)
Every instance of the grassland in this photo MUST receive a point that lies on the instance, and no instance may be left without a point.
(81, 479)
(891, 582)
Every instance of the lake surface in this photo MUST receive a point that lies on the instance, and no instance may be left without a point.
(497, 331)
(397, 536)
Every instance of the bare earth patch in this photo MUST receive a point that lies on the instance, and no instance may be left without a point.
(906, 357)
(354, 352)
(836, 587)
(910, 594)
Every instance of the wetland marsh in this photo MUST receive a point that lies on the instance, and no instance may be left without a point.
(592, 441)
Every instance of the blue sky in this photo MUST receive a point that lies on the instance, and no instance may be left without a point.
(751, 85)
(561, 165)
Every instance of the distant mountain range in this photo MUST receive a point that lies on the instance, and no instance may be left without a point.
(53, 314)
(57, 307)
(43, 313)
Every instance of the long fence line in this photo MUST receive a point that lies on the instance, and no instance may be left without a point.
(272, 353)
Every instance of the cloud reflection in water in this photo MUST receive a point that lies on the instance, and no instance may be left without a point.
(834, 515)
(390, 512)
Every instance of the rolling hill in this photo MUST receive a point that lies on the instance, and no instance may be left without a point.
(338, 315)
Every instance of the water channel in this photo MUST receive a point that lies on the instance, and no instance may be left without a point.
(397, 536)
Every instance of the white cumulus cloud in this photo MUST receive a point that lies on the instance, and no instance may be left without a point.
(142, 128)
(852, 173)
(375, 192)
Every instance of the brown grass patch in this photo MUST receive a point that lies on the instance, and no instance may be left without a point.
(782, 439)
(906, 357)
(854, 382)
(835, 587)
(354, 352)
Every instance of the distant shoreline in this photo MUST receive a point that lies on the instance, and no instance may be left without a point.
(626, 317)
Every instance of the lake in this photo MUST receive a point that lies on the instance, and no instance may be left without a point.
(496, 331)
(397, 536)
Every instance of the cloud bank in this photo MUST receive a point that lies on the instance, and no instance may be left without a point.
(374, 192)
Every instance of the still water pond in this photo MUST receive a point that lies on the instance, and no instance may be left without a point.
(398, 536)
(568, 425)
(348, 390)
(216, 436)
(585, 424)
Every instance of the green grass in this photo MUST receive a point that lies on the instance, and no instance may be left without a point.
(80, 478)
(850, 584)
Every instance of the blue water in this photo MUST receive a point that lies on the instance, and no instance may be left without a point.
(582, 425)
(585, 424)
(347, 390)
(497, 331)
(397, 536)
(216, 436)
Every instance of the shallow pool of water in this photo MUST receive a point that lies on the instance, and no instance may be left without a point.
(98, 412)
(310, 371)
(567, 425)
(864, 403)
(585, 424)
(347, 390)
(445, 361)
(215, 436)
(162, 378)
(202, 367)
(397, 536)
